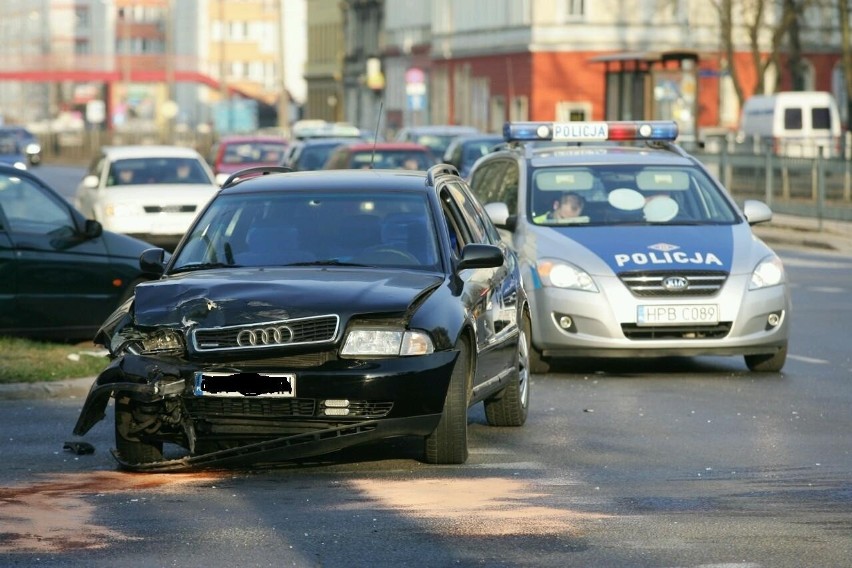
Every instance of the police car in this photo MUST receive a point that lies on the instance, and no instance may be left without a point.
(631, 248)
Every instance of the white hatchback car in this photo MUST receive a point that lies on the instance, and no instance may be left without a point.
(150, 192)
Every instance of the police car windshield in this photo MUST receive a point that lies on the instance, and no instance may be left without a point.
(633, 194)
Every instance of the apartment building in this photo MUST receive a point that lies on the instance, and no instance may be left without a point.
(482, 62)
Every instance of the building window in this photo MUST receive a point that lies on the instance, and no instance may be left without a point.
(574, 10)
(573, 111)
(519, 110)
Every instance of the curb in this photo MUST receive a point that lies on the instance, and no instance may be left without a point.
(68, 388)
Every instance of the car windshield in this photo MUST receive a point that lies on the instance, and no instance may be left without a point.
(157, 170)
(326, 228)
(626, 194)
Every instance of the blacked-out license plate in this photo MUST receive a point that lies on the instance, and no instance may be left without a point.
(267, 385)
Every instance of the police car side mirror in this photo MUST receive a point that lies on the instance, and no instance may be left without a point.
(499, 214)
(756, 211)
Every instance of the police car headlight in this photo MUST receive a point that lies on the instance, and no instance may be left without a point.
(386, 343)
(559, 274)
(768, 272)
(33, 148)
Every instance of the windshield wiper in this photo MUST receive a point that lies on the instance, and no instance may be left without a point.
(326, 262)
(203, 266)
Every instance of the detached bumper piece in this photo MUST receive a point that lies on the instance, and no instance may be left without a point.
(279, 449)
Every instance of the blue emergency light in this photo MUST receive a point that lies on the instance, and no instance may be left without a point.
(652, 130)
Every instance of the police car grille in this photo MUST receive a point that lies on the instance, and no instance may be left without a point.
(664, 332)
(700, 283)
(304, 331)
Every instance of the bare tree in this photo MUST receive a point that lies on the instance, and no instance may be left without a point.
(846, 55)
(751, 17)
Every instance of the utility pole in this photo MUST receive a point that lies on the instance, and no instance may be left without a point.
(284, 97)
(223, 65)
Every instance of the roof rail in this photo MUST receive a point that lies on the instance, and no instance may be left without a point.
(255, 172)
(439, 170)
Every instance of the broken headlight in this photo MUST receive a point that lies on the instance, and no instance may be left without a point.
(159, 342)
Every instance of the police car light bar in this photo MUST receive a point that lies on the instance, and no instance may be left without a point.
(653, 130)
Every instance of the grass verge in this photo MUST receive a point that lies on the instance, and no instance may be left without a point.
(26, 361)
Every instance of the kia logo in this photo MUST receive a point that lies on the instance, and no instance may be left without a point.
(675, 283)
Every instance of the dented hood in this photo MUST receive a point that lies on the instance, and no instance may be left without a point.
(245, 295)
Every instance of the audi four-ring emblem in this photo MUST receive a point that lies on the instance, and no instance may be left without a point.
(265, 336)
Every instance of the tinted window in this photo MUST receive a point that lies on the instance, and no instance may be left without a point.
(29, 209)
(821, 118)
(793, 118)
(375, 229)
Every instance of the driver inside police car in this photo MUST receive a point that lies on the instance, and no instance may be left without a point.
(568, 206)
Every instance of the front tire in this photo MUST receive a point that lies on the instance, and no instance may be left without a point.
(448, 443)
(767, 362)
(132, 449)
(510, 406)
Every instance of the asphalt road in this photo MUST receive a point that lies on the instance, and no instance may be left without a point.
(671, 463)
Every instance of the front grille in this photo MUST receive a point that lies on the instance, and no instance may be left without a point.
(699, 283)
(644, 333)
(170, 208)
(264, 335)
(272, 408)
(251, 407)
(367, 409)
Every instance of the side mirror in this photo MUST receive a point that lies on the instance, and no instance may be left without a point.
(480, 256)
(90, 181)
(93, 229)
(153, 261)
(756, 211)
(498, 212)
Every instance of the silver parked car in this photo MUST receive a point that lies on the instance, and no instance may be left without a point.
(630, 248)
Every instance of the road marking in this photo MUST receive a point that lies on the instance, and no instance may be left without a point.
(828, 289)
(809, 360)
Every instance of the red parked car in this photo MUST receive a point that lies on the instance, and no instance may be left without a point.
(381, 156)
(238, 152)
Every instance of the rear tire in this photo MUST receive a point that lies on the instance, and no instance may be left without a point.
(510, 406)
(448, 443)
(767, 362)
(132, 451)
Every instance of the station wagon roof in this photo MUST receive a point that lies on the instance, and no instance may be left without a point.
(334, 180)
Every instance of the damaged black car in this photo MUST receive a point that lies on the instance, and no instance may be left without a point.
(306, 312)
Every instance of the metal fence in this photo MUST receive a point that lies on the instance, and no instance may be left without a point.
(811, 187)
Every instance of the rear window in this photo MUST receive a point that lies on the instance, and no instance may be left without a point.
(821, 118)
(793, 118)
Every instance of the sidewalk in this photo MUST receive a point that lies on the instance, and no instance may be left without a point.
(807, 232)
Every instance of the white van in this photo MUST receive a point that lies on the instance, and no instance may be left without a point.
(799, 124)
